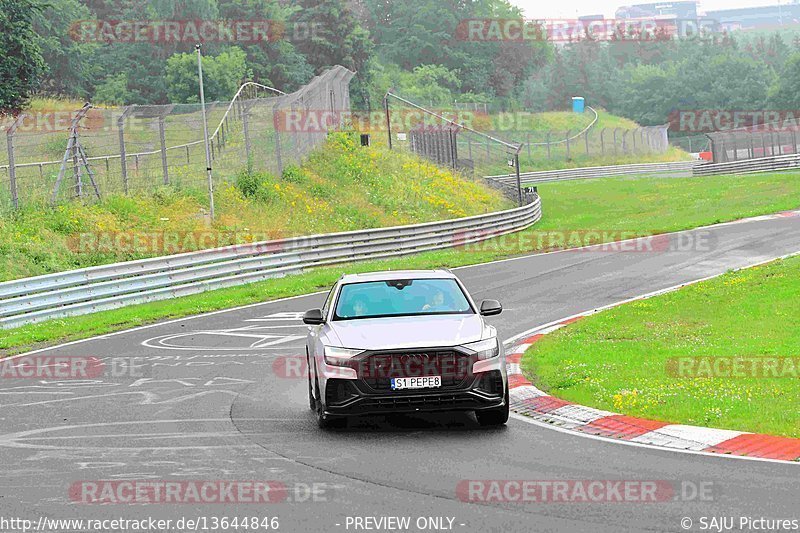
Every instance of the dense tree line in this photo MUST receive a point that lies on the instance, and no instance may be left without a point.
(58, 47)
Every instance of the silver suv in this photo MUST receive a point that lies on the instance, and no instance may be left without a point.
(404, 342)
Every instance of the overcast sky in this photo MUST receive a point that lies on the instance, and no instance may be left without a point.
(572, 8)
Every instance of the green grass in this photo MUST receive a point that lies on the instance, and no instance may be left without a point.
(340, 187)
(605, 204)
(601, 152)
(622, 359)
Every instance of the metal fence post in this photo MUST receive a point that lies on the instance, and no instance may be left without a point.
(615, 140)
(12, 168)
(388, 119)
(122, 156)
(163, 138)
(568, 132)
(245, 114)
(278, 158)
(586, 141)
(602, 142)
(547, 140)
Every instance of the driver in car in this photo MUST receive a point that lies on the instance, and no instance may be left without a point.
(436, 305)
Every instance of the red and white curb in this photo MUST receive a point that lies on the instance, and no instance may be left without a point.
(531, 402)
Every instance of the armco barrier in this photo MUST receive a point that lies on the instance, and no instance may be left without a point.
(747, 166)
(672, 169)
(106, 287)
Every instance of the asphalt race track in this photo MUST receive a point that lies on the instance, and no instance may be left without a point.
(218, 397)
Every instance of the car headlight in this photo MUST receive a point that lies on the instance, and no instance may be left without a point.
(485, 349)
(339, 356)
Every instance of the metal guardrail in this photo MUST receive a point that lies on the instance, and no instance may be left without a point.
(106, 287)
(748, 166)
(671, 169)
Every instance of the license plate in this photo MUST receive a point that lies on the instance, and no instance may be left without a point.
(424, 382)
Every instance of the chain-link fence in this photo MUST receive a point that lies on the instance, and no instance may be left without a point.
(574, 145)
(692, 143)
(753, 143)
(58, 156)
(441, 138)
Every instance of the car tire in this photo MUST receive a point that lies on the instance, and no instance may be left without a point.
(494, 417)
(325, 422)
(312, 403)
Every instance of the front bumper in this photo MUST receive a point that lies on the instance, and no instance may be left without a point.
(345, 397)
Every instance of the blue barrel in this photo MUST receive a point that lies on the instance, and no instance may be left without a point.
(578, 104)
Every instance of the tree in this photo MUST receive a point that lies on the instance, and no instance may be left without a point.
(222, 76)
(784, 93)
(21, 63)
(113, 90)
(70, 66)
(335, 37)
(275, 62)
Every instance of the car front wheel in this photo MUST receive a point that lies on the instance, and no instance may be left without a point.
(312, 403)
(326, 422)
(494, 417)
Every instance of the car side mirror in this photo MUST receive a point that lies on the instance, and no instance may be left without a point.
(491, 308)
(313, 317)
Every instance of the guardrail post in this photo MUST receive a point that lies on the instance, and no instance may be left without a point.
(519, 181)
(12, 165)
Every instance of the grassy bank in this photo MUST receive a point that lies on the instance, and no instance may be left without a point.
(604, 204)
(341, 187)
(602, 152)
(669, 358)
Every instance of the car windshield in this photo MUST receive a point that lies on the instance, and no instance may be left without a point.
(409, 297)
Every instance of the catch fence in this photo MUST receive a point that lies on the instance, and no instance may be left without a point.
(59, 156)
